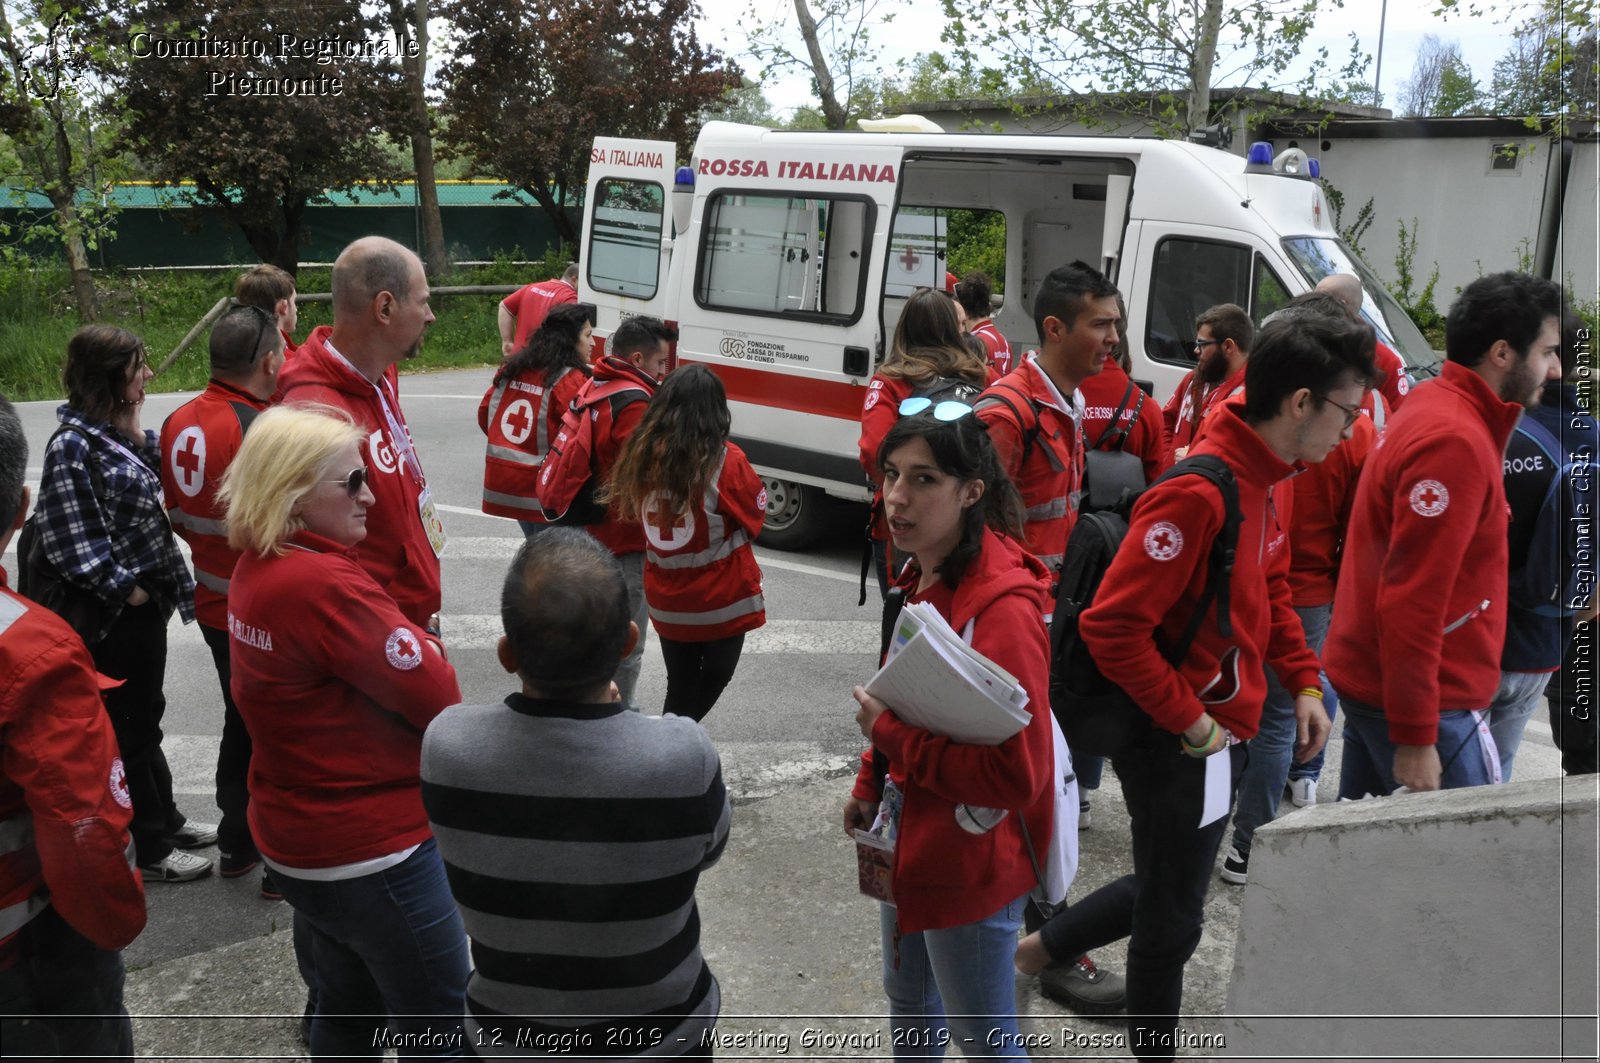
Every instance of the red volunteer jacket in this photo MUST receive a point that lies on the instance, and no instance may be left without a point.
(610, 432)
(1051, 480)
(1159, 574)
(1419, 616)
(701, 579)
(396, 550)
(63, 794)
(198, 443)
(532, 303)
(520, 415)
(1323, 497)
(336, 687)
(1102, 394)
(1393, 384)
(999, 350)
(944, 876)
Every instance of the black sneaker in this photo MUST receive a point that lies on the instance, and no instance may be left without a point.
(1084, 988)
(233, 865)
(1235, 866)
(269, 887)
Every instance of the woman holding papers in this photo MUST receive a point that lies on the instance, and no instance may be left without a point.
(963, 816)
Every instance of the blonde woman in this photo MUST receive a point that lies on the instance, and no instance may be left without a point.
(336, 687)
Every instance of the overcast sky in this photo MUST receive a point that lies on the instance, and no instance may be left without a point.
(1482, 40)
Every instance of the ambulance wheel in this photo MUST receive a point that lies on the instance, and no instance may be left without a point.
(795, 514)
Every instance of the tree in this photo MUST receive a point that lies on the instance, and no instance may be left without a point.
(1441, 82)
(410, 28)
(1550, 67)
(835, 49)
(746, 104)
(1124, 50)
(530, 86)
(50, 123)
(288, 104)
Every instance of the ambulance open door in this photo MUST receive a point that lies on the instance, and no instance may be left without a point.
(627, 230)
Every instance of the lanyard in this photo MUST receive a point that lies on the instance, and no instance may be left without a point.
(399, 435)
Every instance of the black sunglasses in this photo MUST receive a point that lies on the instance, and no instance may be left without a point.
(264, 321)
(353, 482)
(1350, 412)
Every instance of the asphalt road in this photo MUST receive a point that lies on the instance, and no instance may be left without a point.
(786, 719)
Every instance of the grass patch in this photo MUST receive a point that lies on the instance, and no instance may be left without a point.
(38, 316)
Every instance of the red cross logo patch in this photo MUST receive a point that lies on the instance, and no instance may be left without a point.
(1163, 541)
(666, 530)
(119, 784)
(517, 421)
(403, 649)
(189, 460)
(1429, 498)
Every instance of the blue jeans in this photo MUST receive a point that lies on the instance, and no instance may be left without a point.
(1315, 618)
(1513, 703)
(1368, 764)
(62, 997)
(639, 610)
(1272, 749)
(963, 972)
(390, 943)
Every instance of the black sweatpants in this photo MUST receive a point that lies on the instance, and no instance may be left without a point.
(697, 672)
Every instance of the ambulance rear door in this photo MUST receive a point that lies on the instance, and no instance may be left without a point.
(627, 232)
(781, 299)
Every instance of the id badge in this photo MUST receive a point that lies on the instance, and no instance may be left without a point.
(431, 524)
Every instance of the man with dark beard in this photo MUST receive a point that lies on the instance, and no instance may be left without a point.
(1223, 336)
(1419, 615)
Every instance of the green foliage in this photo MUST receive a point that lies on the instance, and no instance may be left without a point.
(1416, 303)
(1358, 226)
(161, 306)
(831, 41)
(976, 239)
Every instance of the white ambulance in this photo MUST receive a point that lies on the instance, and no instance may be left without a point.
(784, 259)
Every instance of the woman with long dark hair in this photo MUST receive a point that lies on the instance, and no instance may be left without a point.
(521, 411)
(701, 505)
(928, 357)
(103, 528)
(966, 818)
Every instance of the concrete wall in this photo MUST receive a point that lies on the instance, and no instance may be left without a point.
(1453, 925)
(1578, 251)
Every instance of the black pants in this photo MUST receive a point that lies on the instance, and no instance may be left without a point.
(1161, 906)
(1573, 707)
(135, 651)
(233, 758)
(697, 672)
(63, 996)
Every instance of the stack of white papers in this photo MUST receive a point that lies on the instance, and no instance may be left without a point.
(934, 680)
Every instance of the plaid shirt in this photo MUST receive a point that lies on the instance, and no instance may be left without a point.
(109, 544)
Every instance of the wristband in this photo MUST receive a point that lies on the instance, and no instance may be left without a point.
(1310, 692)
(1206, 745)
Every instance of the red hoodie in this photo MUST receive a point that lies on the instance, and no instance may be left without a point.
(944, 876)
(610, 433)
(396, 550)
(1419, 616)
(336, 688)
(1159, 574)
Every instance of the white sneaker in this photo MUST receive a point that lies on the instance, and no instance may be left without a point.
(178, 866)
(1303, 792)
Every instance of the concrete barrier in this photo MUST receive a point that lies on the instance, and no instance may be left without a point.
(1452, 925)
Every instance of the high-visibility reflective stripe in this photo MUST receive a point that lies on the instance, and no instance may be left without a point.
(16, 833)
(1051, 510)
(203, 525)
(519, 456)
(1050, 561)
(16, 916)
(743, 607)
(716, 552)
(209, 581)
(512, 501)
(11, 609)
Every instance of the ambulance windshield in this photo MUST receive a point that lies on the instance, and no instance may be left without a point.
(1319, 257)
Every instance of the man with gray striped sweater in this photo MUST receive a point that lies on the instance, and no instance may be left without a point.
(574, 832)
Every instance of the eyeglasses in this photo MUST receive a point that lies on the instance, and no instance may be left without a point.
(353, 482)
(948, 410)
(1350, 412)
(1201, 345)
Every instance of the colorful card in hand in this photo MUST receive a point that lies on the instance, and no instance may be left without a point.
(875, 866)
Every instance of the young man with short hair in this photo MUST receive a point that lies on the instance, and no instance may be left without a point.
(1419, 616)
(524, 310)
(271, 289)
(1302, 380)
(1223, 337)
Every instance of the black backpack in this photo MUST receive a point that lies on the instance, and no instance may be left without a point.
(1113, 477)
(1096, 717)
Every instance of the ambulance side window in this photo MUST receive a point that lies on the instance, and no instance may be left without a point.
(1189, 277)
(784, 255)
(625, 246)
(1267, 293)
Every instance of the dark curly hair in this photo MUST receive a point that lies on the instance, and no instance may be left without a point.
(553, 345)
(676, 447)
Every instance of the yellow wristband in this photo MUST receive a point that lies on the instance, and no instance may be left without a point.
(1310, 692)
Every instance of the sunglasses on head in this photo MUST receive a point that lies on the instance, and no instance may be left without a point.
(264, 321)
(353, 481)
(948, 410)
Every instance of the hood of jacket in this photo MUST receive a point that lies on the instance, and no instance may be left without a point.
(1003, 566)
(611, 368)
(315, 366)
